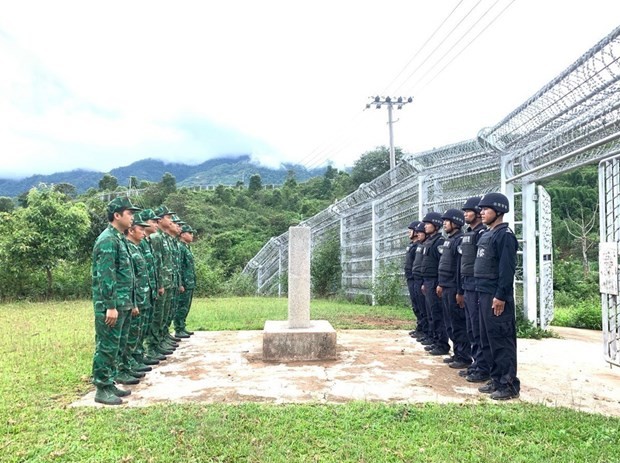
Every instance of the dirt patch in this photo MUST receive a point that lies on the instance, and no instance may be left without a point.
(373, 365)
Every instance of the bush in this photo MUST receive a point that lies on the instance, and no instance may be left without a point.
(388, 288)
(528, 330)
(325, 270)
(209, 279)
(239, 284)
(72, 281)
(581, 314)
(571, 284)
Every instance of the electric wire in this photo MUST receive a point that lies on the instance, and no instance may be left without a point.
(422, 47)
(467, 46)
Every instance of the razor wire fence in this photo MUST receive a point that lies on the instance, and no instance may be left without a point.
(572, 121)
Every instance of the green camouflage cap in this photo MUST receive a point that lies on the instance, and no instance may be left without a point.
(175, 219)
(148, 214)
(162, 211)
(120, 204)
(137, 220)
(187, 229)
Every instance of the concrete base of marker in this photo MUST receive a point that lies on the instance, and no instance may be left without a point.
(284, 344)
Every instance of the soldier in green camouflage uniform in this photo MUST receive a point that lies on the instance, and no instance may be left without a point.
(113, 299)
(174, 232)
(130, 358)
(164, 258)
(151, 325)
(188, 281)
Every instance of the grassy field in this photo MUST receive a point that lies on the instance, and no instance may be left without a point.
(45, 361)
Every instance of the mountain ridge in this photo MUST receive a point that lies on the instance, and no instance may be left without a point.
(223, 170)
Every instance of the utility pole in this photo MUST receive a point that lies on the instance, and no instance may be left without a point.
(390, 102)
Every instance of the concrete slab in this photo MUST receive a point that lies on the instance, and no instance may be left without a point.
(315, 342)
(372, 365)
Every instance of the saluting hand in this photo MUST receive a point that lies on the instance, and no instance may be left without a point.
(498, 306)
(111, 315)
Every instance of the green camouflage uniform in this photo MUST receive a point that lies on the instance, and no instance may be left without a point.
(164, 258)
(113, 287)
(149, 333)
(176, 275)
(143, 302)
(188, 280)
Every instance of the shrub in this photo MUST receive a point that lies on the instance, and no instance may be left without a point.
(325, 270)
(209, 279)
(388, 288)
(239, 285)
(580, 314)
(528, 330)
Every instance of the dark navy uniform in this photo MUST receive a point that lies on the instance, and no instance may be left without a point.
(420, 301)
(454, 316)
(468, 250)
(430, 265)
(494, 271)
(409, 258)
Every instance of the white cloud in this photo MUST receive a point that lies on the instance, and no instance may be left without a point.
(284, 81)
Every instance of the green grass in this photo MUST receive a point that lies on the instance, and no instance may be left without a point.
(45, 360)
(250, 313)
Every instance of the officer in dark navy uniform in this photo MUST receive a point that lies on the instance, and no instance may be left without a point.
(449, 270)
(494, 270)
(416, 270)
(409, 258)
(430, 265)
(478, 372)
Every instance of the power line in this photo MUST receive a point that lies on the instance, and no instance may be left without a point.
(458, 41)
(439, 45)
(467, 46)
(422, 47)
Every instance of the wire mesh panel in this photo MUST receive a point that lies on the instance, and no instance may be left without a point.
(609, 197)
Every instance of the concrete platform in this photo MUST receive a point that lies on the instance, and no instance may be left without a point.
(284, 344)
(372, 365)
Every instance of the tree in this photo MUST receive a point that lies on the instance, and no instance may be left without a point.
(108, 183)
(47, 231)
(168, 183)
(6, 204)
(66, 189)
(133, 182)
(256, 184)
(372, 164)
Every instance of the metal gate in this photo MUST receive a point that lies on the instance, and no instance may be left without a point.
(545, 259)
(533, 227)
(609, 200)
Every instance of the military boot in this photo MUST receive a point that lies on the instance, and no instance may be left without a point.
(136, 374)
(119, 392)
(126, 378)
(135, 365)
(104, 395)
(180, 334)
(153, 354)
(188, 332)
(150, 360)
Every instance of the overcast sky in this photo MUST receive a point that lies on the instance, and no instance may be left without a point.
(98, 85)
